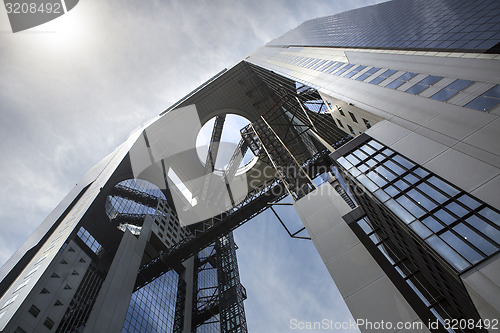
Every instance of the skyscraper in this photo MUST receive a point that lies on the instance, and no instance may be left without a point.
(379, 123)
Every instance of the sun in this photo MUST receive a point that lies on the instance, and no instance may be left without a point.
(71, 31)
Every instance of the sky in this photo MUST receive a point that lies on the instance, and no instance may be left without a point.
(73, 89)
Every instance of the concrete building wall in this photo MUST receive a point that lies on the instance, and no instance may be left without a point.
(368, 292)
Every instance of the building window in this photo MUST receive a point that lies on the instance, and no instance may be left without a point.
(401, 80)
(49, 323)
(451, 90)
(334, 67)
(9, 302)
(22, 285)
(355, 71)
(322, 62)
(19, 330)
(32, 271)
(367, 123)
(486, 101)
(34, 311)
(351, 130)
(343, 69)
(383, 76)
(325, 66)
(423, 84)
(340, 110)
(89, 240)
(353, 117)
(340, 123)
(463, 230)
(368, 73)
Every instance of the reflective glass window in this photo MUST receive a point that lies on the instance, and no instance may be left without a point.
(411, 206)
(401, 80)
(365, 226)
(443, 95)
(402, 213)
(433, 224)
(461, 247)
(393, 167)
(446, 252)
(353, 159)
(482, 103)
(484, 227)
(444, 217)
(373, 70)
(475, 239)
(491, 215)
(391, 190)
(385, 173)
(416, 89)
(403, 161)
(376, 178)
(410, 178)
(381, 195)
(379, 157)
(371, 162)
(363, 168)
(375, 144)
(367, 183)
(430, 80)
(334, 67)
(421, 199)
(395, 84)
(342, 161)
(362, 77)
(451, 90)
(469, 202)
(493, 92)
(450, 190)
(420, 229)
(369, 150)
(401, 184)
(459, 85)
(377, 80)
(319, 64)
(360, 154)
(456, 209)
(343, 69)
(420, 172)
(328, 64)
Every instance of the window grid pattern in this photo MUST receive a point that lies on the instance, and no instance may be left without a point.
(89, 240)
(401, 80)
(484, 102)
(460, 228)
(451, 90)
(404, 24)
(383, 76)
(431, 296)
(423, 84)
(152, 308)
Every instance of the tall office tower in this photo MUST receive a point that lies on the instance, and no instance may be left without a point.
(395, 105)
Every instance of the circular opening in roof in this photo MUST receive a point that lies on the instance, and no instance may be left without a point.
(226, 141)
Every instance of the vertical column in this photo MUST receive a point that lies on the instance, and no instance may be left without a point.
(231, 292)
(110, 309)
